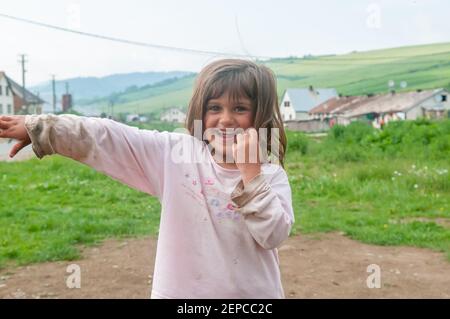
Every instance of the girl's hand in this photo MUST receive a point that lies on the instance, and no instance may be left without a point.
(246, 154)
(14, 127)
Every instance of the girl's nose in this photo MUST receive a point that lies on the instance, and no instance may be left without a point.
(227, 119)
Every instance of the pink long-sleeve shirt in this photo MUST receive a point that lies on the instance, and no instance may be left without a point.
(217, 238)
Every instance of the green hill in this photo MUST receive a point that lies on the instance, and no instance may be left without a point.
(422, 66)
(425, 66)
(91, 88)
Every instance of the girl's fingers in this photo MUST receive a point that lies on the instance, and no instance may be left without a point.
(253, 135)
(238, 150)
(5, 125)
(253, 145)
(246, 148)
(240, 138)
(16, 148)
(5, 133)
(6, 118)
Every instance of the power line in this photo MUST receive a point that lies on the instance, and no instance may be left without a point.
(138, 43)
(328, 60)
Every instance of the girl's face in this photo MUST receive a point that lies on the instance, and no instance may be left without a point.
(223, 113)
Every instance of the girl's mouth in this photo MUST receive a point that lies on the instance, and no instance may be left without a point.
(226, 134)
(227, 137)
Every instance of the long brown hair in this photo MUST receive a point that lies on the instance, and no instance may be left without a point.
(240, 78)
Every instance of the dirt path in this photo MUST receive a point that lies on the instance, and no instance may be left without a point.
(318, 266)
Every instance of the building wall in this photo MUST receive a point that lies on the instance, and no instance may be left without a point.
(174, 115)
(6, 101)
(287, 112)
(341, 120)
(434, 101)
(66, 102)
(438, 100)
(18, 103)
(35, 109)
(311, 126)
(302, 116)
(414, 113)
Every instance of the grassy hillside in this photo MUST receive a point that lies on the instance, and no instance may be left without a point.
(149, 99)
(91, 87)
(424, 66)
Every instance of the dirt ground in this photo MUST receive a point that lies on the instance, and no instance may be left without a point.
(313, 266)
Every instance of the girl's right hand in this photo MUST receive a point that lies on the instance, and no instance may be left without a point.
(14, 127)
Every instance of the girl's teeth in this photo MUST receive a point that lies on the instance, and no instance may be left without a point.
(226, 134)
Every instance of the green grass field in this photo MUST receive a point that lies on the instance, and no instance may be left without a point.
(387, 188)
(423, 66)
(50, 206)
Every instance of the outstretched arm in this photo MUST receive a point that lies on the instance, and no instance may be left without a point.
(14, 127)
(128, 154)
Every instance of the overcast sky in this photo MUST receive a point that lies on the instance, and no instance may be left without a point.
(256, 27)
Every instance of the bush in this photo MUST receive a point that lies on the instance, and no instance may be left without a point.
(355, 132)
(297, 142)
(418, 139)
(421, 138)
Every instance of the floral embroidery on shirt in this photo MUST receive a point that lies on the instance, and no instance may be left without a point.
(218, 202)
(214, 202)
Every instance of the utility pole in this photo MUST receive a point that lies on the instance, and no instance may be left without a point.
(54, 93)
(22, 62)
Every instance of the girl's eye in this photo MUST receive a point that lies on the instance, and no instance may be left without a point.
(241, 109)
(213, 108)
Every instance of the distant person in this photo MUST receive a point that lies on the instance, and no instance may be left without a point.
(376, 124)
(332, 122)
(224, 211)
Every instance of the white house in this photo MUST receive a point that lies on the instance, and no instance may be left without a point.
(6, 97)
(174, 114)
(296, 103)
(13, 101)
